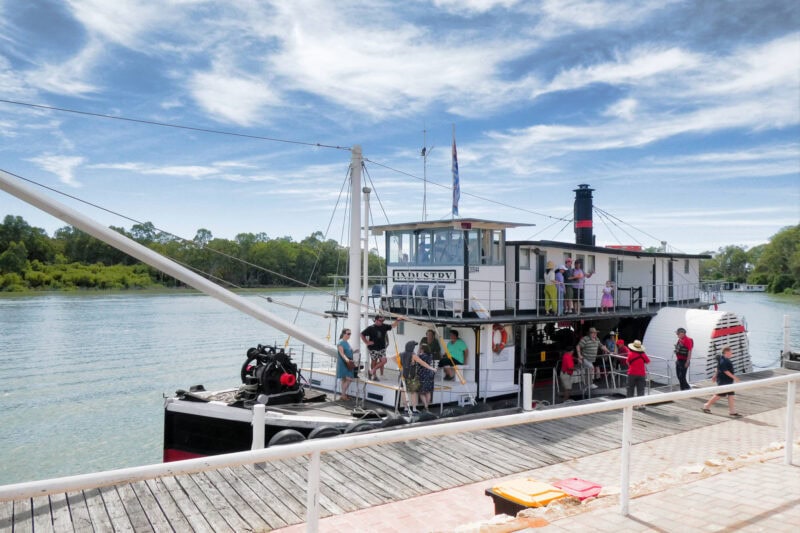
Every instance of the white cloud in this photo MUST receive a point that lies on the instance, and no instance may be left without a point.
(232, 96)
(593, 14)
(68, 77)
(62, 166)
(474, 6)
(120, 22)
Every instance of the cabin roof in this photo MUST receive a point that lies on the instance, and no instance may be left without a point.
(458, 223)
(605, 250)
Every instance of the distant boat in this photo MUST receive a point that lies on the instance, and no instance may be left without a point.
(746, 287)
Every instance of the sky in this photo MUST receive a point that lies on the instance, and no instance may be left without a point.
(683, 116)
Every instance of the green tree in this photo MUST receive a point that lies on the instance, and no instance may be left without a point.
(779, 263)
(14, 259)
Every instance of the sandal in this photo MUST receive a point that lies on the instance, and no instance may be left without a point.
(735, 415)
(707, 411)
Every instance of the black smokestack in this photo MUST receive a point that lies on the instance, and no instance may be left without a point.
(583, 215)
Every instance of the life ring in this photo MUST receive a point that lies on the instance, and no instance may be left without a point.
(497, 347)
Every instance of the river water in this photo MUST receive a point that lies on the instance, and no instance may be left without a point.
(82, 377)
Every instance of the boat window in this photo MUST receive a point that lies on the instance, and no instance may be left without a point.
(524, 259)
(486, 247)
(619, 265)
(590, 264)
(401, 251)
(685, 266)
(424, 247)
(474, 246)
(448, 247)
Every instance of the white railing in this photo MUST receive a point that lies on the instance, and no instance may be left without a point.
(314, 448)
(437, 299)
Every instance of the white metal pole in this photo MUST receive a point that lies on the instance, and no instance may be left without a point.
(365, 255)
(354, 278)
(24, 192)
(527, 392)
(786, 338)
(259, 413)
(312, 497)
(791, 398)
(625, 460)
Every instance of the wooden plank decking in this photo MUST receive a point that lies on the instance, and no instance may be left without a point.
(261, 498)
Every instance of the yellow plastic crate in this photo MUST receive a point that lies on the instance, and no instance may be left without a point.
(513, 496)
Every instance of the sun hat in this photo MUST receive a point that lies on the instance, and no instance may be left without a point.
(561, 267)
(636, 346)
(592, 330)
(550, 264)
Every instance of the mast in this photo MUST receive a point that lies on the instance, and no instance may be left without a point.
(15, 187)
(424, 174)
(354, 276)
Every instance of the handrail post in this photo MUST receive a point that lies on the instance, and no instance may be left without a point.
(259, 412)
(625, 460)
(791, 397)
(312, 495)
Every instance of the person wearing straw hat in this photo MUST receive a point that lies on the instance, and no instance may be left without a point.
(550, 293)
(637, 373)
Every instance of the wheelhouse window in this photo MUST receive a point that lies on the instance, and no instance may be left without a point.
(425, 247)
(486, 247)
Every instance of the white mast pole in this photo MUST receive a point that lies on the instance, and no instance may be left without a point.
(365, 267)
(15, 187)
(424, 175)
(354, 278)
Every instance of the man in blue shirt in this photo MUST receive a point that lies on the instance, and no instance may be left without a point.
(724, 376)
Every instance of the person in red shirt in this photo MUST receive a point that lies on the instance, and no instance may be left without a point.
(637, 373)
(683, 355)
(565, 376)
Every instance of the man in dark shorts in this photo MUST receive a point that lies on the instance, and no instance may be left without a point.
(724, 376)
(683, 355)
(374, 338)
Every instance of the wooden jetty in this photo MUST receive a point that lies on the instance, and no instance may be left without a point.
(264, 497)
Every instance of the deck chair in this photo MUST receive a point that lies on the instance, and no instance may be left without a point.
(420, 298)
(436, 302)
(376, 293)
(402, 296)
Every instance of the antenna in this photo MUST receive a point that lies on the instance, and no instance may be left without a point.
(424, 153)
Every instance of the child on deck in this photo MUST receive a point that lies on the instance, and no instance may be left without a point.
(565, 376)
(607, 302)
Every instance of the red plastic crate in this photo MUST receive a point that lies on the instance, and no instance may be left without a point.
(580, 488)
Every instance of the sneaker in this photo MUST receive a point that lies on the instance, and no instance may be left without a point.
(594, 386)
(375, 378)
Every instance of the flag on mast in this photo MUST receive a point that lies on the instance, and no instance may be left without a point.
(456, 184)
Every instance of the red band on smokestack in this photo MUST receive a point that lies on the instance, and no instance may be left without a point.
(583, 223)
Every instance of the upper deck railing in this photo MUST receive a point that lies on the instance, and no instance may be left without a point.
(524, 299)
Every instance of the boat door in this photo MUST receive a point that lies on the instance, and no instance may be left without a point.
(670, 288)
